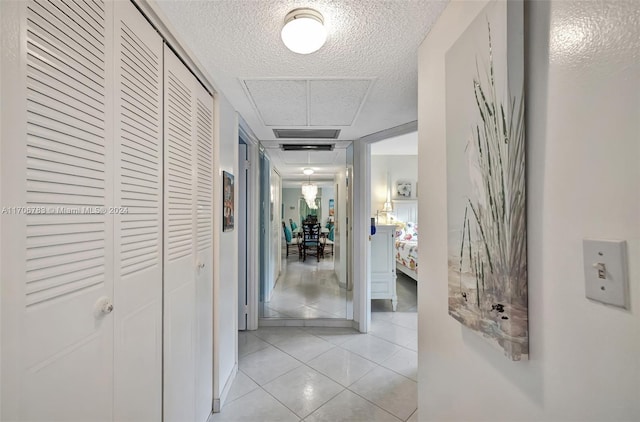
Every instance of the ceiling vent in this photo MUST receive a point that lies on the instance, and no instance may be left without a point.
(305, 147)
(306, 133)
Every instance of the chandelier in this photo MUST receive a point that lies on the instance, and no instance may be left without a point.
(309, 190)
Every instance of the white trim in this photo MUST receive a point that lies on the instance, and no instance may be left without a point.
(218, 403)
(361, 215)
(162, 24)
(253, 223)
(391, 132)
(361, 239)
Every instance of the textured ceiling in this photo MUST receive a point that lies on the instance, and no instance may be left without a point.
(372, 42)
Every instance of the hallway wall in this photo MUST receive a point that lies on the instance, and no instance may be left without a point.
(291, 198)
(225, 306)
(583, 109)
(276, 225)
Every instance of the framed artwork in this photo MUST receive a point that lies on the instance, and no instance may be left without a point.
(403, 189)
(486, 198)
(227, 202)
(331, 207)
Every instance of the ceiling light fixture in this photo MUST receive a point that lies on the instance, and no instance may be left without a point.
(304, 31)
(307, 171)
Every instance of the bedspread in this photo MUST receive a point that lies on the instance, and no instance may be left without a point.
(407, 253)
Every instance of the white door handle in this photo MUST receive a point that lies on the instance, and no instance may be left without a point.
(103, 306)
(200, 265)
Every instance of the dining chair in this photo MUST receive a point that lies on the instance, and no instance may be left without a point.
(312, 243)
(292, 242)
(328, 239)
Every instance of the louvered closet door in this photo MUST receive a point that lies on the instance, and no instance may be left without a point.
(179, 241)
(138, 217)
(204, 253)
(61, 354)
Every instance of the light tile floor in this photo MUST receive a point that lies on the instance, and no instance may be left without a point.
(308, 289)
(327, 374)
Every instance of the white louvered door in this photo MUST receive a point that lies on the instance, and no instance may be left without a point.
(59, 266)
(204, 253)
(106, 159)
(138, 217)
(179, 241)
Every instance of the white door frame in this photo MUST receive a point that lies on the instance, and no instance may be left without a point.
(362, 219)
(361, 241)
(253, 227)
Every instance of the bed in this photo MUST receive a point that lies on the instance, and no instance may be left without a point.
(406, 249)
(406, 240)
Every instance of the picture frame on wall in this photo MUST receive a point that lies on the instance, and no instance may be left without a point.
(228, 206)
(403, 189)
(486, 184)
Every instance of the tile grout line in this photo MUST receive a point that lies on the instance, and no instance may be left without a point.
(248, 392)
(340, 346)
(410, 416)
(325, 402)
(366, 399)
(305, 330)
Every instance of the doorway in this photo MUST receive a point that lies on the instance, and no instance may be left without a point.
(312, 280)
(394, 208)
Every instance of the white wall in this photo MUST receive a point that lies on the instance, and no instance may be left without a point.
(291, 198)
(339, 231)
(583, 114)
(276, 227)
(399, 167)
(225, 331)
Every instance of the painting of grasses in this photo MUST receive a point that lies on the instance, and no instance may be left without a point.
(486, 179)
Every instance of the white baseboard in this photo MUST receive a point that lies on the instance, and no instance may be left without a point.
(294, 322)
(219, 402)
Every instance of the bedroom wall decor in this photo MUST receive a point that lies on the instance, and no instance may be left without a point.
(486, 202)
(403, 189)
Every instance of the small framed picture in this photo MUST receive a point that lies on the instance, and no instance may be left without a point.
(227, 201)
(403, 189)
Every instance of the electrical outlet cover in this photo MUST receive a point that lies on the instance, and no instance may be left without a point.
(613, 289)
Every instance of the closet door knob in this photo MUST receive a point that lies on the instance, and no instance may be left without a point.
(103, 306)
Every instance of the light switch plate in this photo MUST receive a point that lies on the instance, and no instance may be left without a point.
(605, 271)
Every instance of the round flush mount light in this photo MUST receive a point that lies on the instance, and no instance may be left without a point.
(304, 31)
(307, 172)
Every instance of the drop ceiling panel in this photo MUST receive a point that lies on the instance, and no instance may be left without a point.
(236, 40)
(279, 102)
(308, 102)
(336, 102)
